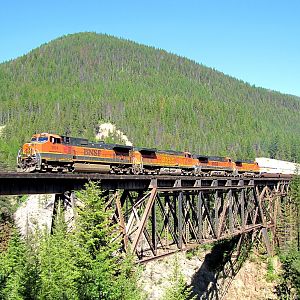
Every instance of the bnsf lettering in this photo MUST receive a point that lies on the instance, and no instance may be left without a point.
(92, 152)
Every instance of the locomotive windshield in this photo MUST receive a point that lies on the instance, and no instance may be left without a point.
(43, 139)
(40, 139)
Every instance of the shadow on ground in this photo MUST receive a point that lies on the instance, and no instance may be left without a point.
(219, 268)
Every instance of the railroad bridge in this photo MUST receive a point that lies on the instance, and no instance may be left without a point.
(160, 215)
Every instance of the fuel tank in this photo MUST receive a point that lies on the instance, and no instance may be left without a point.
(91, 168)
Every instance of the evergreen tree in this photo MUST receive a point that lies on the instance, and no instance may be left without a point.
(13, 269)
(83, 264)
(105, 274)
(57, 258)
(290, 256)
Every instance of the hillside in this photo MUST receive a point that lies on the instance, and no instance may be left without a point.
(158, 99)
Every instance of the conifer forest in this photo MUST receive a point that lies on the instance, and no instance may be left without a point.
(158, 99)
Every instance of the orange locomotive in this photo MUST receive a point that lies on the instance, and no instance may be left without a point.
(247, 167)
(56, 153)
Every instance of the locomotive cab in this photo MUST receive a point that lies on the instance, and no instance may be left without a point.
(30, 156)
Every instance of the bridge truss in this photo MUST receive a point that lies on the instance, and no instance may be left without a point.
(161, 215)
(180, 214)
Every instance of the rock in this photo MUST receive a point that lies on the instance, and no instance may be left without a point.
(35, 213)
(249, 283)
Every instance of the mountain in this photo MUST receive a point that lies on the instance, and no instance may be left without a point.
(158, 99)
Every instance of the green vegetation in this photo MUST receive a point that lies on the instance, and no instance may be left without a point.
(178, 289)
(13, 270)
(6, 223)
(289, 287)
(6, 209)
(271, 272)
(83, 264)
(158, 99)
(290, 280)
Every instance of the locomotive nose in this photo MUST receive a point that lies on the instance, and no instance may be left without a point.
(28, 149)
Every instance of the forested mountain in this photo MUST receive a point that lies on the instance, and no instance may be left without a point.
(158, 99)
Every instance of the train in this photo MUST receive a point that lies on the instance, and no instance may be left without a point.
(48, 152)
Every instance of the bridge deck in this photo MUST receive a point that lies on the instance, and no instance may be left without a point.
(14, 183)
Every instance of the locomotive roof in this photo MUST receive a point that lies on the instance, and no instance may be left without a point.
(45, 134)
(121, 147)
(215, 158)
(249, 161)
(147, 150)
(84, 142)
(173, 152)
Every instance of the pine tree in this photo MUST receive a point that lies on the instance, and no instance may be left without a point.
(105, 273)
(83, 264)
(57, 257)
(12, 269)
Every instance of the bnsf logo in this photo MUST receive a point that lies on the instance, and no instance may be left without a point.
(92, 152)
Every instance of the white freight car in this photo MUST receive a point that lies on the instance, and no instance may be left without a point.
(275, 166)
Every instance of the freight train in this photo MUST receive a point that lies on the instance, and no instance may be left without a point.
(58, 153)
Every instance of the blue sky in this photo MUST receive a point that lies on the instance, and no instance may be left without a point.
(257, 41)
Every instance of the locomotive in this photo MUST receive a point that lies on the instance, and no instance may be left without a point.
(58, 153)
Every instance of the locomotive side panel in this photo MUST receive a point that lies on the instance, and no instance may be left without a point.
(215, 165)
(247, 168)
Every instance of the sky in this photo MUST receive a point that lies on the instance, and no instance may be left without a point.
(257, 41)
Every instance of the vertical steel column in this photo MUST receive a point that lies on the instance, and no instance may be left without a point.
(258, 198)
(122, 225)
(175, 207)
(216, 223)
(230, 213)
(58, 200)
(126, 206)
(154, 240)
(199, 216)
(186, 222)
(242, 195)
(267, 241)
(179, 212)
(73, 204)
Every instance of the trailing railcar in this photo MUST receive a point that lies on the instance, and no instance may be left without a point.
(163, 162)
(247, 168)
(277, 168)
(215, 165)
